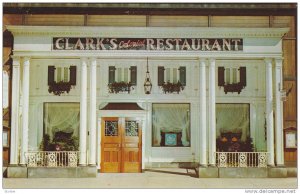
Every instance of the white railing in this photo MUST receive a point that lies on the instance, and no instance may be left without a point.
(241, 159)
(52, 159)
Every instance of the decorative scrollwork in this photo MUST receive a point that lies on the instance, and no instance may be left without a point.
(242, 159)
(223, 160)
(72, 159)
(131, 128)
(111, 128)
(31, 160)
(262, 160)
(52, 160)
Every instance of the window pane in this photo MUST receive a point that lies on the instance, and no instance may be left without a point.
(111, 128)
(66, 74)
(119, 74)
(126, 75)
(234, 76)
(58, 78)
(131, 128)
(171, 125)
(227, 75)
(233, 118)
(168, 75)
(175, 71)
(61, 117)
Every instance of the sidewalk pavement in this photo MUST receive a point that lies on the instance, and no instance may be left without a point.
(154, 178)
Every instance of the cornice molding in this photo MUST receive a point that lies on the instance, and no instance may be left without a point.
(147, 32)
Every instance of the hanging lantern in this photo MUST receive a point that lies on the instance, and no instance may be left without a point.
(147, 83)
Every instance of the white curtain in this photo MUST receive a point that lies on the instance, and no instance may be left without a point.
(171, 118)
(233, 118)
(62, 117)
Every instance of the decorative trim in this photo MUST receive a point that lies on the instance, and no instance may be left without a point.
(149, 32)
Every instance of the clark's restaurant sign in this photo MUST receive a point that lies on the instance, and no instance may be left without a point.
(150, 44)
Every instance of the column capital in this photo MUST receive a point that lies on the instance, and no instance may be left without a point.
(202, 59)
(202, 62)
(278, 62)
(83, 59)
(26, 58)
(16, 62)
(268, 60)
(93, 58)
(212, 60)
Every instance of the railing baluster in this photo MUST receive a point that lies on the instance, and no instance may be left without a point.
(241, 159)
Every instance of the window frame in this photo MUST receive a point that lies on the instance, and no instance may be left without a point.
(190, 131)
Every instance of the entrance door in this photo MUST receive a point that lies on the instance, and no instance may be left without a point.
(121, 145)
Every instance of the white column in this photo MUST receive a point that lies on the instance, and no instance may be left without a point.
(269, 112)
(83, 112)
(14, 141)
(25, 110)
(202, 94)
(212, 112)
(279, 114)
(93, 112)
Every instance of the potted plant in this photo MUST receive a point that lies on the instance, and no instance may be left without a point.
(117, 87)
(59, 88)
(172, 87)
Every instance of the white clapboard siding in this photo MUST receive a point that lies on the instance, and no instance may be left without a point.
(57, 20)
(285, 21)
(178, 21)
(240, 21)
(116, 20)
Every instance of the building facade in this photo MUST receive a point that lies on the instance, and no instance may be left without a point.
(141, 91)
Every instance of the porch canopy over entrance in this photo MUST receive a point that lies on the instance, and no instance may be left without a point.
(122, 106)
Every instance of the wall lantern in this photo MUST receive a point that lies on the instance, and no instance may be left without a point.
(147, 83)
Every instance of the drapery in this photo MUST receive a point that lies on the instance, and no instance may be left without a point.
(233, 118)
(62, 117)
(171, 118)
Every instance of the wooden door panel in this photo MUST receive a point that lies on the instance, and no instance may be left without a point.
(131, 146)
(111, 160)
(111, 145)
(131, 160)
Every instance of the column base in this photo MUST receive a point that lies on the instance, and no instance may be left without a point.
(82, 165)
(277, 172)
(92, 164)
(23, 165)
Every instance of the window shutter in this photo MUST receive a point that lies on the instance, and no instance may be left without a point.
(243, 76)
(182, 75)
(221, 71)
(111, 74)
(51, 70)
(73, 75)
(133, 73)
(161, 73)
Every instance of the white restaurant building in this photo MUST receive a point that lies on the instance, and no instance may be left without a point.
(210, 85)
